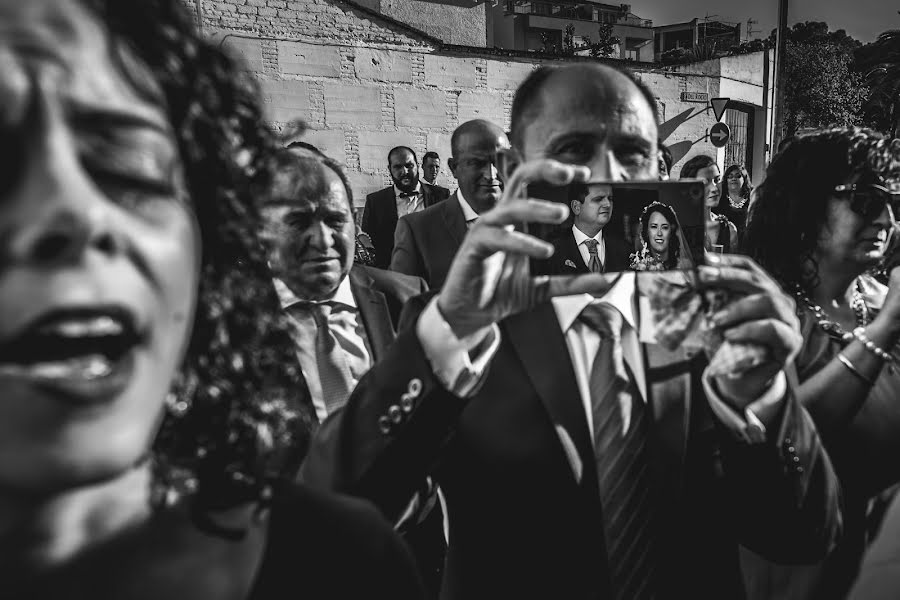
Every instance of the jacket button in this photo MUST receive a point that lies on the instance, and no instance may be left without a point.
(796, 459)
(787, 441)
(799, 469)
(384, 425)
(415, 387)
(791, 449)
(395, 414)
(407, 403)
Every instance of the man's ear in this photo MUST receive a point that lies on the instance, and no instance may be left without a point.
(508, 161)
(575, 205)
(451, 163)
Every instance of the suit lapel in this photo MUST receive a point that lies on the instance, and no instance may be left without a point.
(573, 254)
(536, 336)
(454, 220)
(669, 396)
(373, 310)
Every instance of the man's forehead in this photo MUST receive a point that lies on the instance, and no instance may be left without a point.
(401, 157)
(308, 188)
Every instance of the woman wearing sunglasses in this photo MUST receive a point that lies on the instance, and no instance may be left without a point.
(822, 220)
(150, 401)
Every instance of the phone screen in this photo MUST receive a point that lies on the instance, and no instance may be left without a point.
(646, 226)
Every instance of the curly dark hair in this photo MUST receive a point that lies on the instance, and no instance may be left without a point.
(243, 422)
(791, 203)
(693, 166)
(674, 242)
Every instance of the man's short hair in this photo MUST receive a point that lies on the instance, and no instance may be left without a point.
(430, 154)
(402, 149)
(300, 149)
(526, 99)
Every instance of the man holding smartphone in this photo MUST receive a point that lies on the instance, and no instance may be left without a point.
(578, 462)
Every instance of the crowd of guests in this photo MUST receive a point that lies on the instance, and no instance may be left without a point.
(208, 393)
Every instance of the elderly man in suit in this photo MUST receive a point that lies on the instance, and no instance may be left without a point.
(344, 315)
(406, 196)
(577, 461)
(426, 242)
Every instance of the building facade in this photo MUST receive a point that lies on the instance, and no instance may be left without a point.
(365, 82)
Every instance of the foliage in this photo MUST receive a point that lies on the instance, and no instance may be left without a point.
(879, 62)
(821, 89)
(607, 44)
(601, 49)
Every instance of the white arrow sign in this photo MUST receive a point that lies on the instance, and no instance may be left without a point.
(719, 136)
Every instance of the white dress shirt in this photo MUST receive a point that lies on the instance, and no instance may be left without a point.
(346, 325)
(581, 238)
(406, 206)
(462, 373)
(469, 213)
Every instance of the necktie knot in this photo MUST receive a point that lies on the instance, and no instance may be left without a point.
(603, 318)
(591, 246)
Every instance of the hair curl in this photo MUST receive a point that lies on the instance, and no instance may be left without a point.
(246, 424)
(791, 203)
(674, 243)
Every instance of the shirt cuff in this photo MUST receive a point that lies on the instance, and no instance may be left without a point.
(459, 364)
(749, 426)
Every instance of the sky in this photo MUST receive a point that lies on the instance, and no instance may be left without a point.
(862, 19)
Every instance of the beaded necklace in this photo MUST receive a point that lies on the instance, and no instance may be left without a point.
(737, 205)
(833, 329)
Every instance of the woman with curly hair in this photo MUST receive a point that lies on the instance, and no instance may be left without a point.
(662, 241)
(152, 415)
(735, 199)
(822, 219)
(721, 233)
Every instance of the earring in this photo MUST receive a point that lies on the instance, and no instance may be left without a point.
(178, 400)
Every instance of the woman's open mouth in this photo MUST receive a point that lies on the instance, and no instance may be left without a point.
(82, 353)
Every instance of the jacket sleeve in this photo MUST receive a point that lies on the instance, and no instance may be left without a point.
(392, 432)
(784, 493)
(405, 258)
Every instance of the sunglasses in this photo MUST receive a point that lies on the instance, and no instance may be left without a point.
(868, 200)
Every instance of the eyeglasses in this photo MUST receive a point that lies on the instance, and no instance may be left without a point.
(868, 200)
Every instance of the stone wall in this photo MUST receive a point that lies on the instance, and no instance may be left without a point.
(365, 84)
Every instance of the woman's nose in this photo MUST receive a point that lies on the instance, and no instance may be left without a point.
(58, 212)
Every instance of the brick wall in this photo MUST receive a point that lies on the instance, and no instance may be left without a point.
(365, 84)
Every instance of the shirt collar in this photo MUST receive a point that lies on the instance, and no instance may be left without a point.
(398, 191)
(580, 236)
(468, 213)
(620, 296)
(343, 295)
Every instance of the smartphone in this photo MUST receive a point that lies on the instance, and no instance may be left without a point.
(657, 225)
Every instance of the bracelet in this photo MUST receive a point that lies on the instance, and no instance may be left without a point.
(860, 334)
(846, 362)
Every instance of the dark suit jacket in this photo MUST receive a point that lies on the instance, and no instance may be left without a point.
(427, 241)
(380, 296)
(566, 254)
(441, 193)
(522, 524)
(380, 220)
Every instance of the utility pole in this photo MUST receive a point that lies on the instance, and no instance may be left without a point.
(780, 51)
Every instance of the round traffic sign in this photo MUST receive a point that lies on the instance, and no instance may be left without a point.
(719, 134)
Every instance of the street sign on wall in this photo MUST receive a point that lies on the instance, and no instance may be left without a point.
(695, 97)
(719, 134)
(718, 106)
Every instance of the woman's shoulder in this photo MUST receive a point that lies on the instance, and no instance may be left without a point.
(343, 545)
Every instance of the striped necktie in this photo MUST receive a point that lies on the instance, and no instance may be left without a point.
(620, 435)
(595, 265)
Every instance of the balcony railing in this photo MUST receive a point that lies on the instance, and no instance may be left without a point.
(578, 12)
